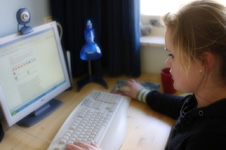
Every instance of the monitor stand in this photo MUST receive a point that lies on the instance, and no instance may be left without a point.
(40, 113)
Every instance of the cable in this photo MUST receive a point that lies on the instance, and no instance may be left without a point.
(29, 133)
(61, 29)
(18, 28)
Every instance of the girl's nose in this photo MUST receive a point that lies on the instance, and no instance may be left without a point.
(167, 62)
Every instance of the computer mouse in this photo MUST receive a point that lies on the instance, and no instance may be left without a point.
(124, 88)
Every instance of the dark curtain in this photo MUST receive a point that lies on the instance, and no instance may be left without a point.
(117, 33)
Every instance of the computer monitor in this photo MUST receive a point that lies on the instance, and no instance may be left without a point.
(33, 72)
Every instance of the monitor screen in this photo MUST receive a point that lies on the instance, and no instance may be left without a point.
(32, 72)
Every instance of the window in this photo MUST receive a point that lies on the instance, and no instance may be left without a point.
(161, 7)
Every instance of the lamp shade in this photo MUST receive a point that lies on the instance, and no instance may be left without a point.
(90, 50)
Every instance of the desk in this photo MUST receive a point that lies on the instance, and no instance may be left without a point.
(147, 129)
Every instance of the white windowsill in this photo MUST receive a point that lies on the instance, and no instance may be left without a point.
(155, 41)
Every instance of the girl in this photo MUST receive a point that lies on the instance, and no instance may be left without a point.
(196, 41)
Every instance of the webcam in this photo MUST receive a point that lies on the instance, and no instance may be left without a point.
(23, 17)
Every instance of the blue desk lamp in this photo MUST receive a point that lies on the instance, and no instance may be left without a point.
(90, 51)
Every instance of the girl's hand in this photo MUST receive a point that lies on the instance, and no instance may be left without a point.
(134, 88)
(82, 146)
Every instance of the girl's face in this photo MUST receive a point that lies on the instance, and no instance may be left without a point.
(185, 82)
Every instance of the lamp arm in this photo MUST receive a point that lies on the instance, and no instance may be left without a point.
(90, 71)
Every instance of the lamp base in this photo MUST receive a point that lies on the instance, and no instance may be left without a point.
(89, 79)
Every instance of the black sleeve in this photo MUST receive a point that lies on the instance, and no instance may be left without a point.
(166, 104)
(207, 141)
(1, 132)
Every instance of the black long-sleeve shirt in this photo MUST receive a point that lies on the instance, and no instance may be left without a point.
(196, 128)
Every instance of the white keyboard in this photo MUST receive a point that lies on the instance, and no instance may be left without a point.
(100, 117)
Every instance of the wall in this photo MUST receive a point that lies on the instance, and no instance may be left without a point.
(152, 59)
(39, 9)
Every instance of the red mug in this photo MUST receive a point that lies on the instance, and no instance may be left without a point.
(167, 81)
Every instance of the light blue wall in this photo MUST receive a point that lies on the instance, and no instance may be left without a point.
(39, 9)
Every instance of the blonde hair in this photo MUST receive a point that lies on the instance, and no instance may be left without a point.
(198, 27)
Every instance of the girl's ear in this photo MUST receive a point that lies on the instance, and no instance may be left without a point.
(208, 60)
